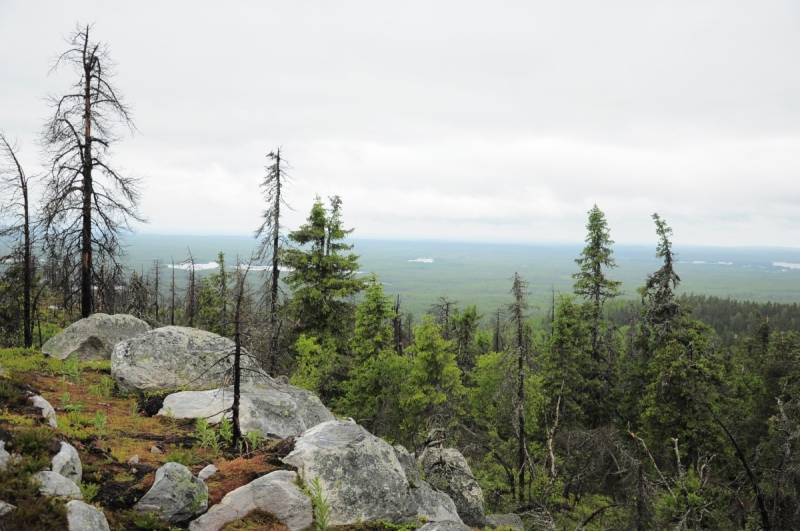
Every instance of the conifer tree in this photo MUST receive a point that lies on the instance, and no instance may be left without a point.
(591, 282)
(272, 244)
(663, 307)
(322, 277)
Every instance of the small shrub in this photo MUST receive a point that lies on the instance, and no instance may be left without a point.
(180, 455)
(149, 522)
(89, 491)
(34, 442)
(10, 395)
(226, 430)
(320, 504)
(204, 434)
(72, 368)
(99, 423)
(254, 439)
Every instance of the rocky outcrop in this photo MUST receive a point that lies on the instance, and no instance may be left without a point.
(54, 484)
(276, 493)
(6, 508)
(276, 410)
(362, 478)
(447, 470)
(445, 526)
(84, 517)
(48, 412)
(176, 495)
(207, 472)
(177, 357)
(94, 337)
(67, 462)
(505, 520)
(4, 456)
(431, 504)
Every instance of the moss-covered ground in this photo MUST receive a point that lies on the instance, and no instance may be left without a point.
(108, 430)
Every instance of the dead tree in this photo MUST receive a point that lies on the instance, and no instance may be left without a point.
(15, 209)
(517, 316)
(271, 244)
(87, 203)
(191, 291)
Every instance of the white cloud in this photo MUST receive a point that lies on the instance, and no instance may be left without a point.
(451, 120)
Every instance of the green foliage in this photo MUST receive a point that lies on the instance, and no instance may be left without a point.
(433, 392)
(99, 423)
(10, 395)
(226, 430)
(322, 277)
(88, 490)
(149, 521)
(204, 433)
(591, 282)
(320, 503)
(317, 366)
(181, 455)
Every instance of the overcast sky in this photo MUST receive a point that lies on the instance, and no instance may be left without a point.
(484, 121)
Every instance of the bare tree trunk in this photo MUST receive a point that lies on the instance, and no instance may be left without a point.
(86, 212)
(172, 288)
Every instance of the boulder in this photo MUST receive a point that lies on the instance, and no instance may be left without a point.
(176, 357)
(4, 456)
(431, 504)
(6, 508)
(176, 495)
(207, 472)
(94, 337)
(505, 520)
(54, 484)
(276, 410)
(276, 493)
(447, 470)
(445, 526)
(67, 462)
(362, 478)
(47, 410)
(84, 517)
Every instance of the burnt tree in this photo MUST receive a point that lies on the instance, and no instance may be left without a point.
(87, 203)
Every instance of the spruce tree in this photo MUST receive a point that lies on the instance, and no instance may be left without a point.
(591, 282)
(322, 277)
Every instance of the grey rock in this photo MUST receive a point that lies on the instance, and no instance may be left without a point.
(134, 460)
(358, 473)
(54, 484)
(6, 508)
(47, 410)
(67, 462)
(445, 526)
(156, 450)
(276, 493)
(175, 357)
(207, 472)
(431, 504)
(361, 477)
(277, 411)
(176, 495)
(94, 337)
(4, 456)
(84, 517)
(505, 520)
(448, 471)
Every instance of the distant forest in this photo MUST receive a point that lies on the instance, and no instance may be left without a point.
(729, 318)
